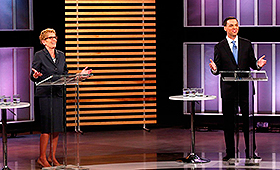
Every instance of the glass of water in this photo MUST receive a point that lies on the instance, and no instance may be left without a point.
(7, 100)
(2, 99)
(199, 92)
(16, 99)
(186, 92)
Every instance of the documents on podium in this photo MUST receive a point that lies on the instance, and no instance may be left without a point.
(243, 76)
(63, 80)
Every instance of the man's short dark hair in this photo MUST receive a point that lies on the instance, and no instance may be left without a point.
(228, 18)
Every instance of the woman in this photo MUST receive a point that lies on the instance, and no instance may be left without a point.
(47, 62)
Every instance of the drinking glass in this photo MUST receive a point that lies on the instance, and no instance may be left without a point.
(16, 99)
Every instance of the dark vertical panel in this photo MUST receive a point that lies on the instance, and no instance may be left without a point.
(277, 83)
(211, 82)
(193, 69)
(23, 81)
(265, 12)
(247, 12)
(6, 17)
(229, 8)
(22, 13)
(194, 13)
(264, 88)
(212, 12)
(193, 66)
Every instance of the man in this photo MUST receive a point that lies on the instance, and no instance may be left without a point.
(234, 53)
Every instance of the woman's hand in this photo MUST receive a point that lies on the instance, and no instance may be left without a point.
(36, 73)
(84, 71)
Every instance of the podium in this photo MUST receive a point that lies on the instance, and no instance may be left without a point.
(245, 76)
(53, 82)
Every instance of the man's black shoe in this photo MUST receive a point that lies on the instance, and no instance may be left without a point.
(227, 157)
(255, 156)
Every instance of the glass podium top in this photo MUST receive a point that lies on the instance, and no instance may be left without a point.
(244, 75)
(69, 79)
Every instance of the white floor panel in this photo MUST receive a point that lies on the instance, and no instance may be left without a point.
(176, 165)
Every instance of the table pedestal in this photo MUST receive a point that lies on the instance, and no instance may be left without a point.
(192, 157)
(4, 139)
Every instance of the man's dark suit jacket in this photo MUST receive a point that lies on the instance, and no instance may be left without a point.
(43, 63)
(225, 61)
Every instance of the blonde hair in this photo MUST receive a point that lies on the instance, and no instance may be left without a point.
(43, 34)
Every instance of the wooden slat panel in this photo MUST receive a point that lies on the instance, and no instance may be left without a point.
(118, 41)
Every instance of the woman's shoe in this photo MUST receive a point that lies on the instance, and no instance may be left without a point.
(43, 164)
(54, 162)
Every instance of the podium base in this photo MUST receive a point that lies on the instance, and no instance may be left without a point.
(243, 161)
(68, 167)
(192, 158)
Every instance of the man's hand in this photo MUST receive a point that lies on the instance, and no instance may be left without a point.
(212, 65)
(261, 61)
(36, 73)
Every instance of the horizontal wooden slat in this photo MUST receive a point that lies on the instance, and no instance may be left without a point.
(117, 71)
(110, 19)
(111, 105)
(112, 36)
(112, 42)
(117, 82)
(110, 59)
(112, 94)
(112, 100)
(110, 7)
(112, 13)
(108, 53)
(113, 123)
(111, 117)
(108, 24)
(112, 65)
(112, 88)
(107, 1)
(123, 76)
(112, 48)
(109, 30)
(111, 111)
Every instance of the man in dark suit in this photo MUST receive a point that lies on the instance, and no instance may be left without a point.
(231, 54)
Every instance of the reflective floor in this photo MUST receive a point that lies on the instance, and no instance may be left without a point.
(141, 150)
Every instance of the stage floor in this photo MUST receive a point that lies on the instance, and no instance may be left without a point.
(141, 150)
